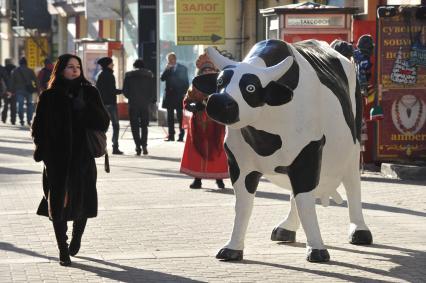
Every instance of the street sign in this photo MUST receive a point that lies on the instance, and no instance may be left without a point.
(200, 22)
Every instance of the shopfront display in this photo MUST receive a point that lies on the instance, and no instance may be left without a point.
(401, 40)
(297, 22)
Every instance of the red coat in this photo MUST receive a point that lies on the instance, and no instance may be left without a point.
(204, 156)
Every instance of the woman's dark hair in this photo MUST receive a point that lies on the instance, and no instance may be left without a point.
(57, 78)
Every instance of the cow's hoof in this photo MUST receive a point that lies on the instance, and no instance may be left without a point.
(316, 255)
(283, 235)
(361, 237)
(229, 255)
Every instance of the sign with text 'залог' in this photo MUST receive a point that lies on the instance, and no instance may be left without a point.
(200, 22)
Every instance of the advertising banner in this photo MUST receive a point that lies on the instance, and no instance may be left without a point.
(200, 22)
(401, 40)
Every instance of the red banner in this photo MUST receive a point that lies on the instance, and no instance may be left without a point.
(401, 136)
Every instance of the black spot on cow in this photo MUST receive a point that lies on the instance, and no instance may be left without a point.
(304, 171)
(276, 94)
(223, 79)
(273, 52)
(359, 110)
(252, 181)
(263, 143)
(331, 73)
(281, 170)
(234, 169)
(251, 90)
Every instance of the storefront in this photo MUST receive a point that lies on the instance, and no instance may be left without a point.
(302, 21)
(401, 92)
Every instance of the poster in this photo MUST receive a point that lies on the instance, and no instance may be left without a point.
(401, 135)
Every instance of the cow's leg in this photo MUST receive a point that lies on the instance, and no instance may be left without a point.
(245, 188)
(304, 174)
(286, 230)
(316, 252)
(359, 234)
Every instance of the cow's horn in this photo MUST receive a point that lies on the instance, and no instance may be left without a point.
(218, 59)
(277, 71)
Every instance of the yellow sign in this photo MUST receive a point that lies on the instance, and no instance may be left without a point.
(36, 50)
(200, 22)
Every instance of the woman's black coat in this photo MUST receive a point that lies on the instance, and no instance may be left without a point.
(59, 133)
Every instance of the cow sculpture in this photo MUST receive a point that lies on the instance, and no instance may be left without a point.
(293, 115)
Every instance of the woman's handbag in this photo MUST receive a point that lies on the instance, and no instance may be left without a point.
(97, 142)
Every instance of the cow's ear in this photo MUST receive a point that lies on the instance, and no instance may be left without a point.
(277, 94)
(206, 83)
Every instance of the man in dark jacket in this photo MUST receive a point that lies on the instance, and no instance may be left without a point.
(138, 87)
(43, 76)
(24, 84)
(106, 86)
(9, 98)
(176, 77)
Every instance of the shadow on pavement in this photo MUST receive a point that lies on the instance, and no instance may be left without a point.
(404, 262)
(123, 273)
(392, 181)
(370, 206)
(331, 275)
(14, 140)
(12, 248)
(16, 151)
(403, 271)
(150, 171)
(174, 159)
(14, 171)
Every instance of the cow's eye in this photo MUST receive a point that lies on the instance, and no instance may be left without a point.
(250, 88)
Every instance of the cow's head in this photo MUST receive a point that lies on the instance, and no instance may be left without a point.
(239, 91)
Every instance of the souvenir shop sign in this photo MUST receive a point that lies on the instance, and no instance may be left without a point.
(401, 135)
(200, 22)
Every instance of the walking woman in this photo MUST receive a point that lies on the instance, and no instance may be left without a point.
(65, 111)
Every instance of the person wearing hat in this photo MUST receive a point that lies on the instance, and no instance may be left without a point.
(176, 77)
(106, 85)
(138, 87)
(24, 84)
(204, 155)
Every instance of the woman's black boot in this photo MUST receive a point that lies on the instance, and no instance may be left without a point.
(60, 228)
(77, 232)
(196, 184)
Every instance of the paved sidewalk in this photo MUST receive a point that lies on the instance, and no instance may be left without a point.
(152, 228)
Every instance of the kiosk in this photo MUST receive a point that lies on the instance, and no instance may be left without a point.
(296, 22)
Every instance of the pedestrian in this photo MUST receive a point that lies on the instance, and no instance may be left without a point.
(43, 76)
(204, 155)
(66, 110)
(138, 87)
(106, 85)
(176, 77)
(3, 80)
(9, 98)
(24, 84)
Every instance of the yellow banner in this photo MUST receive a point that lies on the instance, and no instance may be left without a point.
(36, 50)
(200, 22)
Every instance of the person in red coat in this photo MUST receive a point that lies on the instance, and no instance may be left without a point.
(204, 156)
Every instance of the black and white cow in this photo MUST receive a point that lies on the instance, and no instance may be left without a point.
(293, 115)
